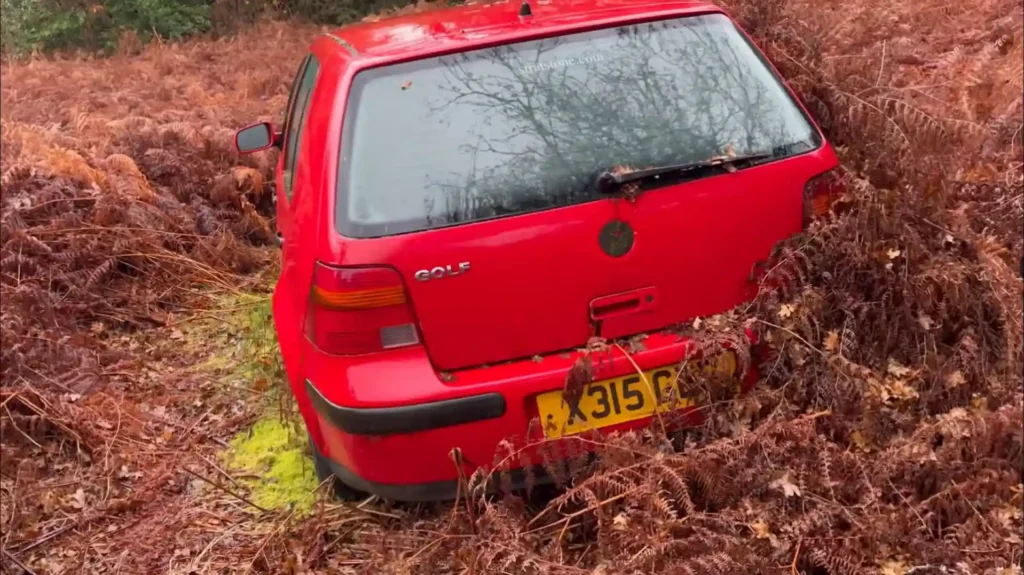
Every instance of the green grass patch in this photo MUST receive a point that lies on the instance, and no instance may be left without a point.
(236, 340)
(272, 451)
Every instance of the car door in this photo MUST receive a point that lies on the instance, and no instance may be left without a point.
(287, 316)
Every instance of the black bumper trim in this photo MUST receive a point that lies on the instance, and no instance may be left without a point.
(437, 491)
(407, 418)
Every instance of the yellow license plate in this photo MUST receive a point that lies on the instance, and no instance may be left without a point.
(626, 398)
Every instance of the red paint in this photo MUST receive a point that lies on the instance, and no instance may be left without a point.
(534, 283)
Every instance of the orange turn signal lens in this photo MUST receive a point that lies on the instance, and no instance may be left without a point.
(370, 298)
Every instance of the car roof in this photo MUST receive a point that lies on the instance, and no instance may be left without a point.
(439, 29)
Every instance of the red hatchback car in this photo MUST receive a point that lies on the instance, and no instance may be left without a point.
(466, 197)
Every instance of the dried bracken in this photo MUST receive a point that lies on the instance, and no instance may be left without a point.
(885, 435)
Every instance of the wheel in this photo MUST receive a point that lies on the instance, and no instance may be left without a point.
(323, 473)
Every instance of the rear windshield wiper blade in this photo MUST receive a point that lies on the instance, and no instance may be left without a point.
(610, 182)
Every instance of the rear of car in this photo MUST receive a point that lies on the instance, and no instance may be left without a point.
(470, 252)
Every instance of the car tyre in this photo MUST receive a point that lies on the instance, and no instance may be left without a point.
(323, 472)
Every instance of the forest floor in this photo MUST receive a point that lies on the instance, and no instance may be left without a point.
(144, 428)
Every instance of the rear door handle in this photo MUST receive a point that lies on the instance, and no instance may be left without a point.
(623, 303)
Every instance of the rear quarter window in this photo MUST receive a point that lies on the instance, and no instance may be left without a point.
(295, 119)
(528, 126)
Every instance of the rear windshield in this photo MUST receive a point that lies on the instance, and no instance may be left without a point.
(529, 126)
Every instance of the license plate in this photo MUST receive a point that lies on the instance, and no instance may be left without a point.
(626, 398)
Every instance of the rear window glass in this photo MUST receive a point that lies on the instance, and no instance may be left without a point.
(529, 126)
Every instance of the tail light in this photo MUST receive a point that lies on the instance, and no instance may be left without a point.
(359, 310)
(819, 193)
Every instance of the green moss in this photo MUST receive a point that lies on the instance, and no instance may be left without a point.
(275, 454)
(238, 342)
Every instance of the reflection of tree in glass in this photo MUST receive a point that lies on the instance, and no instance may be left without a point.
(667, 92)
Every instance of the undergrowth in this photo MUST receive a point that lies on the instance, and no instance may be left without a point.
(885, 435)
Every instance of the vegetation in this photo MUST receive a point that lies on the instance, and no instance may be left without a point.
(884, 437)
(64, 24)
(107, 25)
(278, 472)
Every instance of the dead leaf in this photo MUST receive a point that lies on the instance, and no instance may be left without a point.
(78, 499)
(900, 390)
(857, 438)
(406, 84)
(176, 334)
(786, 310)
(261, 384)
(925, 322)
(787, 487)
(697, 323)
(620, 522)
(892, 254)
(893, 568)
(979, 403)
(897, 370)
(760, 529)
(1006, 517)
(832, 341)
(955, 379)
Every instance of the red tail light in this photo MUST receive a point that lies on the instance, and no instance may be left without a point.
(819, 193)
(359, 310)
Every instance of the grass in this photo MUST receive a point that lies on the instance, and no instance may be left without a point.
(271, 456)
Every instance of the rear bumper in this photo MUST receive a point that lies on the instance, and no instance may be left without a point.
(402, 450)
(407, 418)
(433, 491)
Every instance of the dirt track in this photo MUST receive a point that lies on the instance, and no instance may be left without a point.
(886, 437)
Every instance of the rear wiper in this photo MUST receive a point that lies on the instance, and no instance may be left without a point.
(609, 182)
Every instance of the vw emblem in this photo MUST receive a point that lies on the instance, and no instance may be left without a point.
(616, 238)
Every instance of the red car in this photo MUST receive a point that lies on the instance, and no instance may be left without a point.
(466, 197)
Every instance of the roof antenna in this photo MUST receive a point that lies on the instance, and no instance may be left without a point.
(524, 10)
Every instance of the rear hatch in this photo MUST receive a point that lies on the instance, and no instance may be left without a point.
(474, 175)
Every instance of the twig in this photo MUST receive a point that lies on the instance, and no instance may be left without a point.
(796, 556)
(222, 488)
(47, 537)
(194, 564)
(9, 398)
(911, 507)
(650, 387)
(984, 521)
(881, 66)
(194, 424)
(219, 470)
(456, 456)
(18, 429)
(571, 516)
(267, 540)
(794, 334)
(14, 560)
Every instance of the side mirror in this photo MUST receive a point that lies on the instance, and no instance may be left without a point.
(256, 138)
